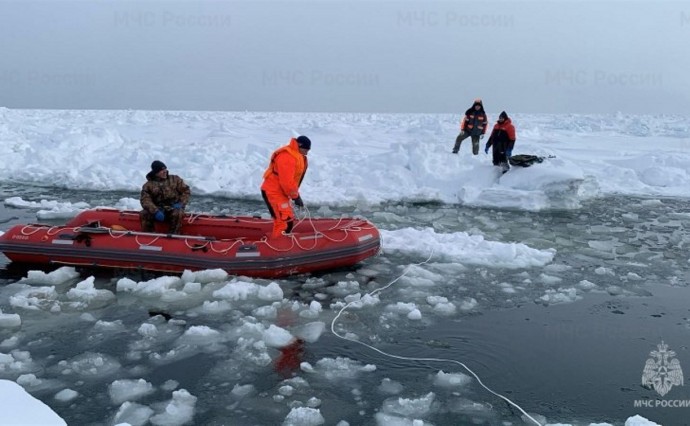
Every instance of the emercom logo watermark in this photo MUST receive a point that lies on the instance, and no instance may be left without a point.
(662, 372)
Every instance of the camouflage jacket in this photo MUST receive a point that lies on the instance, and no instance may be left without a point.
(163, 193)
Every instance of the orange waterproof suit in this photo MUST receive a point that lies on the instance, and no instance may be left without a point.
(281, 184)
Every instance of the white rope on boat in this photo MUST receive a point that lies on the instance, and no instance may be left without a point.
(225, 251)
(155, 238)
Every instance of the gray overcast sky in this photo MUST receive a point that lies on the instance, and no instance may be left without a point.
(359, 56)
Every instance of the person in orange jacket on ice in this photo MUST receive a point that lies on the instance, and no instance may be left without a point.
(282, 180)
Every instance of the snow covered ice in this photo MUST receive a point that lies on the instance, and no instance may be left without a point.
(225, 334)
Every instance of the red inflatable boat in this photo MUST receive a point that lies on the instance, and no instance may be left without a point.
(239, 245)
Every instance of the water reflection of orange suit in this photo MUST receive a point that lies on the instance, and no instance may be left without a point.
(290, 358)
(281, 184)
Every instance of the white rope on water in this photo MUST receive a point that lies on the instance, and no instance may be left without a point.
(407, 358)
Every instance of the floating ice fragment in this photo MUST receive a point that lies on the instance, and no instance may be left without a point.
(277, 337)
(56, 277)
(472, 408)
(9, 343)
(639, 421)
(199, 335)
(451, 380)
(441, 305)
(549, 279)
(86, 293)
(241, 391)
(28, 380)
(36, 299)
(562, 295)
(402, 308)
(286, 390)
(154, 288)
(409, 407)
(103, 326)
(343, 288)
(271, 292)
(313, 402)
(614, 290)
(335, 369)
(390, 387)
(304, 416)
(468, 304)
(267, 312)
(415, 315)
(237, 290)
(587, 285)
(310, 332)
(66, 395)
(170, 385)
(129, 390)
(205, 276)
(178, 411)
(10, 320)
(466, 249)
(91, 365)
(125, 285)
(633, 276)
(357, 301)
(133, 414)
(385, 419)
(147, 330)
(191, 288)
(315, 306)
(604, 271)
(16, 363)
(215, 307)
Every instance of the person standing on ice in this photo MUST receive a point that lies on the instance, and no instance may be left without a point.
(503, 140)
(473, 125)
(282, 180)
(163, 199)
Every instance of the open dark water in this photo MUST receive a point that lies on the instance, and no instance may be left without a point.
(575, 362)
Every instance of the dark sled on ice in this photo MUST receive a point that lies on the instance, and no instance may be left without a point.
(524, 160)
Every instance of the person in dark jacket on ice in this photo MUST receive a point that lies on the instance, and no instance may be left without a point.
(473, 125)
(502, 140)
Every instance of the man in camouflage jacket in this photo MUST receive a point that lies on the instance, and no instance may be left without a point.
(163, 199)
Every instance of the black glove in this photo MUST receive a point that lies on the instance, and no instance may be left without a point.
(298, 201)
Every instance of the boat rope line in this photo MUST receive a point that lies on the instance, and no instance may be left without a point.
(155, 238)
(354, 225)
(115, 235)
(407, 358)
(38, 228)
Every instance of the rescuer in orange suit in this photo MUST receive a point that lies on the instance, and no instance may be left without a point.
(282, 179)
